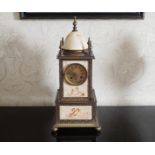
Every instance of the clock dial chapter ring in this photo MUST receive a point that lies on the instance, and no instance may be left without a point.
(75, 74)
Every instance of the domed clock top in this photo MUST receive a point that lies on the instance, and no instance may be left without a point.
(75, 40)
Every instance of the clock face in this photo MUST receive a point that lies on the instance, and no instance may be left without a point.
(75, 74)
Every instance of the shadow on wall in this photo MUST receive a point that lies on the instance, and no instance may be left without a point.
(125, 67)
(22, 73)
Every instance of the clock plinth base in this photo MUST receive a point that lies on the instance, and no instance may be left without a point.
(76, 123)
(93, 124)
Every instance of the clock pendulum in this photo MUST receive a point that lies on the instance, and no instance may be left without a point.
(75, 100)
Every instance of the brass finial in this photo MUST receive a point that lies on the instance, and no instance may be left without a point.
(62, 41)
(60, 44)
(89, 43)
(75, 24)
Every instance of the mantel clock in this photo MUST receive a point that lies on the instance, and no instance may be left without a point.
(75, 100)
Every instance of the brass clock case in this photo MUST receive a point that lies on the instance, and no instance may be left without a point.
(75, 74)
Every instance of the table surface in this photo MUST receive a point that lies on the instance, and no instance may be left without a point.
(119, 124)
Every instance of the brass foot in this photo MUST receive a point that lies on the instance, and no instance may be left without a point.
(55, 129)
(98, 129)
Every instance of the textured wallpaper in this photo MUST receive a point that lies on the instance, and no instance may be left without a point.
(123, 71)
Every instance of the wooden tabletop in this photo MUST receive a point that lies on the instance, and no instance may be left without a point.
(33, 124)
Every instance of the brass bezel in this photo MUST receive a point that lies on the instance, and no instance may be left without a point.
(68, 81)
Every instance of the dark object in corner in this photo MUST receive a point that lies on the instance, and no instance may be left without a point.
(81, 15)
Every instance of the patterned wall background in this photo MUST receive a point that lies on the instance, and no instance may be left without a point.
(124, 68)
